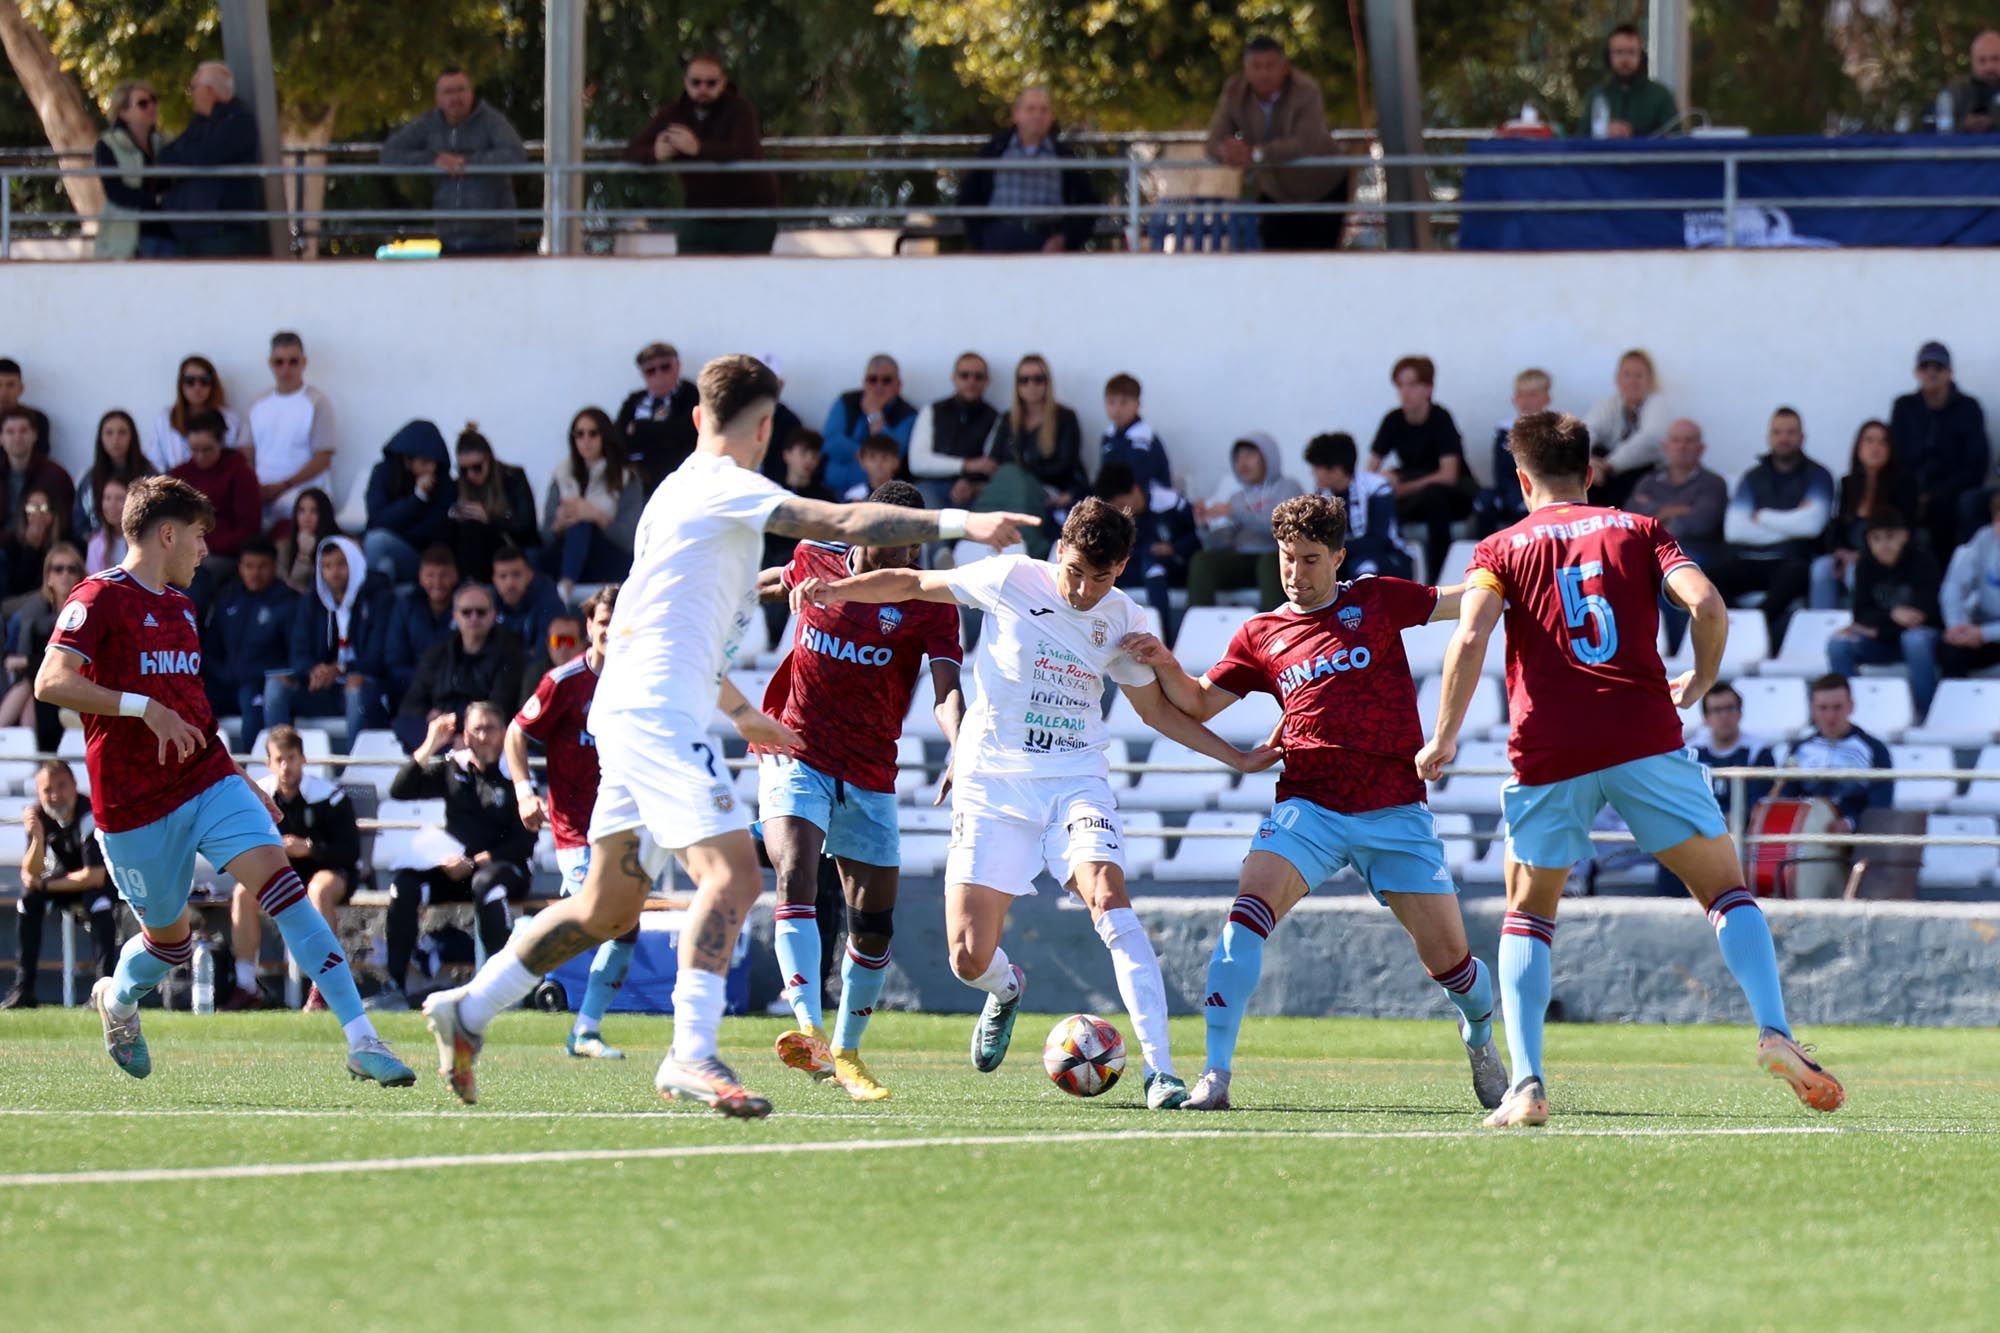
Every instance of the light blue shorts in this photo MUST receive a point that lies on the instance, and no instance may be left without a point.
(859, 825)
(1665, 800)
(153, 865)
(1394, 849)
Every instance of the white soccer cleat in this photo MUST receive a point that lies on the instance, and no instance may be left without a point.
(1526, 1103)
(1210, 1092)
(1781, 1057)
(458, 1045)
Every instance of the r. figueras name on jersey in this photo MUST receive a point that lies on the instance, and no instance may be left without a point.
(1340, 659)
(841, 650)
(166, 662)
(1583, 527)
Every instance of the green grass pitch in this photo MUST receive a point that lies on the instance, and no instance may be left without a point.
(1678, 1187)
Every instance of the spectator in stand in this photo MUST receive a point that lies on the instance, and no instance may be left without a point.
(1833, 741)
(291, 429)
(221, 132)
(313, 520)
(131, 144)
(1684, 496)
(1723, 746)
(11, 385)
(563, 643)
(1776, 523)
(198, 390)
(249, 638)
(876, 408)
(1432, 485)
(1876, 481)
(27, 470)
(784, 422)
(421, 619)
(225, 477)
(590, 513)
(1166, 541)
(1896, 614)
(657, 422)
(1974, 97)
(410, 496)
(1034, 134)
(1970, 601)
(1500, 505)
(28, 634)
(800, 460)
(62, 867)
(948, 442)
(462, 131)
(1271, 114)
(527, 601)
(1129, 438)
(1374, 542)
(336, 636)
(881, 458)
(1940, 436)
(1040, 434)
(1238, 550)
(474, 663)
(323, 844)
(490, 867)
(495, 507)
(1639, 107)
(26, 548)
(1627, 430)
(115, 457)
(107, 545)
(712, 121)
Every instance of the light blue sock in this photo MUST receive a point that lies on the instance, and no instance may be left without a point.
(1524, 988)
(861, 979)
(1744, 937)
(317, 951)
(1233, 970)
(607, 974)
(143, 965)
(1469, 986)
(797, 945)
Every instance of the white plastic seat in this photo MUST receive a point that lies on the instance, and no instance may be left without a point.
(771, 654)
(71, 746)
(1177, 791)
(1466, 793)
(1748, 648)
(1882, 706)
(375, 744)
(926, 838)
(1490, 867)
(1124, 723)
(1963, 714)
(1803, 653)
(913, 781)
(1425, 644)
(1983, 796)
(318, 745)
(1249, 721)
(1959, 867)
(18, 774)
(1118, 752)
(1215, 858)
(1928, 794)
(1483, 714)
(354, 509)
(743, 781)
(1772, 705)
(753, 684)
(1253, 791)
(1454, 830)
(13, 842)
(1145, 847)
(921, 721)
(1204, 635)
(1457, 559)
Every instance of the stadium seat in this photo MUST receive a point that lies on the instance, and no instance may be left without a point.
(1249, 721)
(1205, 634)
(1773, 706)
(753, 684)
(1177, 791)
(71, 746)
(1926, 794)
(1257, 792)
(18, 774)
(1124, 723)
(1484, 715)
(1455, 831)
(353, 513)
(913, 784)
(376, 745)
(13, 841)
(1468, 794)
(1424, 645)
(1983, 796)
(1803, 652)
(1117, 751)
(1960, 867)
(742, 781)
(926, 838)
(318, 744)
(775, 652)
(921, 721)
(1490, 866)
(1457, 559)
(1748, 648)
(1217, 859)
(1964, 714)
(1882, 706)
(1145, 845)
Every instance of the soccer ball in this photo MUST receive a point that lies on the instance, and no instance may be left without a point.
(1084, 1055)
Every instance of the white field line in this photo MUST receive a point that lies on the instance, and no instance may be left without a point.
(452, 1113)
(558, 1157)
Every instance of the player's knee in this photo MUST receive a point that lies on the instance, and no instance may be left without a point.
(798, 884)
(869, 932)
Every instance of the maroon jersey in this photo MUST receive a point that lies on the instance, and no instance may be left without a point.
(846, 685)
(138, 641)
(1351, 730)
(557, 714)
(1585, 687)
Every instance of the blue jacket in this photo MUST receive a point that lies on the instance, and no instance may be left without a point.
(225, 137)
(393, 503)
(847, 427)
(530, 620)
(1168, 518)
(1139, 449)
(250, 633)
(412, 629)
(314, 633)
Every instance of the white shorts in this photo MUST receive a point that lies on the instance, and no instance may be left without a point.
(1005, 831)
(673, 788)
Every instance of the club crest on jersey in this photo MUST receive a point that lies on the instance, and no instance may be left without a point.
(72, 616)
(533, 708)
(889, 619)
(1099, 631)
(1350, 616)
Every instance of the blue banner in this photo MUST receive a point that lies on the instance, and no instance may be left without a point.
(1774, 223)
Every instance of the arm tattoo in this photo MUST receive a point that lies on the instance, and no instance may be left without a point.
(860, 524)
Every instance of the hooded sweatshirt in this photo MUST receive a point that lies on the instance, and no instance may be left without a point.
(346, 631)
(393, 502)
(1971, 592)
(1247, 525)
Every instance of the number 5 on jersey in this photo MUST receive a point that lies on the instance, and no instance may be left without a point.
(1589, 612)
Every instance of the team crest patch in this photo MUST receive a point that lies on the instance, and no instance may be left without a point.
(724, 800)
(533, 708)
(1350, 616)
(1266, 829)
(889, 619)
(73, 616)
(1099, 631)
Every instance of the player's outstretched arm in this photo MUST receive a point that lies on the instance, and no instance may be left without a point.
(1708, 632)
(60, 681)
(948, 688)
(1479, 612)
(765, 733)
(1199, 699)
(771, 584)
(879, 585)
(1154, 710)
(527, 802)
(892, 525)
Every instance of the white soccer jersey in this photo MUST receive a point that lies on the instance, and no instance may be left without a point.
(691, 594)
(1040, 671)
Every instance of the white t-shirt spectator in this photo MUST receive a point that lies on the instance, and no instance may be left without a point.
(170, 448)
(288, 429)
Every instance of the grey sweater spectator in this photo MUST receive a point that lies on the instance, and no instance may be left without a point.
(221, 133)
(1974, 98)
(713, 122)
(1970, 601)
(1034, 136)
(1684, 495)
(462, 131)
(1940, 436)
(1238, 548)
(1268, 115)
(1627, 430)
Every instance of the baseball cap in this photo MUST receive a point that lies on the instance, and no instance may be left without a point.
(1934, 353)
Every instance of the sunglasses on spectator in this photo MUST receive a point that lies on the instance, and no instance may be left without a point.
(191, 381)
(1031, 379)
(142, 102)
(65, 569)
(563, 640)
(880, 379)
(659, 367)
(37, 509)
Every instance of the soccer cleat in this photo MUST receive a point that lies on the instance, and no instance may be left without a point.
(995, 1028)
(1489, 1075)
(21, 997)
(458, 1045)
(123, 1041)
(389, 1000)
(713, 1084)
(374, 1061)
(242, 1000)
(1526, 1103)
(1165, 1092)
(806, 1050)
(590, 1046)
(1781, 1057)
(855, 1078)
(1210, 1093)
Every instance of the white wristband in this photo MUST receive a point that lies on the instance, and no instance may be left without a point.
(133, 705)
(951, 524)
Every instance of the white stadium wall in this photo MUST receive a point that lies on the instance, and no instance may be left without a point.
(1224, 344)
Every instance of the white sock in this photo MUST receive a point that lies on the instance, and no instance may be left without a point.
(121, 1011)
(501, 984)
(359, 1030)
(699, 999)
(246, 975)
(582, 1027)
(998, 979)
(1140, 984)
